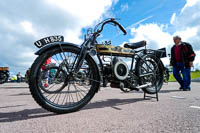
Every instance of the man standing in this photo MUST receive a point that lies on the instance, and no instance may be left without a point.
(182, 57)
(19, 77)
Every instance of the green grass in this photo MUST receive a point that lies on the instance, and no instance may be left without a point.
(193, 76)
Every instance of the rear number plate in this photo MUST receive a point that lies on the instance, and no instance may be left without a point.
(47, 40)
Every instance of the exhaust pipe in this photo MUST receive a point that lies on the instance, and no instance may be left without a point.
(145, 85)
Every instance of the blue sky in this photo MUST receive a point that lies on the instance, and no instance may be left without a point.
(133, 11)
(156, 21)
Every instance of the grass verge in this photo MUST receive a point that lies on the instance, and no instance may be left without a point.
(193, 76)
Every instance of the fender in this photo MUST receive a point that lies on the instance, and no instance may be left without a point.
(59, 44)
(56, 44)
(157, 59)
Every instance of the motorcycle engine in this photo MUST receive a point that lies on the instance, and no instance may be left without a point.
(120, 69)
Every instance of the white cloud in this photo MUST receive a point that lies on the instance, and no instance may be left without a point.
(173, 18)
(186, 24)
(189, 3)
(86, 11)
(73, 36)
(139, 22)
(124, 7)
(188, 33)
(154, 34)
(27, 26)
(197, 59)
(32, 20)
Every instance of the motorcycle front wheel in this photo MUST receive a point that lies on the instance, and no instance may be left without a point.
(58, 89)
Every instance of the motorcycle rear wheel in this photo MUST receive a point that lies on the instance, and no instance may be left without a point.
(155, 67)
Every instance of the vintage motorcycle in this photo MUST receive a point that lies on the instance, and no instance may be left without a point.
(65, 76)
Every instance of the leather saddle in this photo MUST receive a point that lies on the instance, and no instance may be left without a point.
(135, 45)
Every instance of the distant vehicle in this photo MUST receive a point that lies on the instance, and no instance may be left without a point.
(13, 78)
(4, 74)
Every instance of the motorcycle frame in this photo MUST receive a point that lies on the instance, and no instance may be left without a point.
(88, 45)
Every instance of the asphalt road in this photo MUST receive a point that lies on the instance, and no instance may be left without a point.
(109, 111)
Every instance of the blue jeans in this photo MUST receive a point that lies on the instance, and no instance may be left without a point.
(185, 79)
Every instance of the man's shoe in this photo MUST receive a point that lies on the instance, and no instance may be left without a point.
(188, 89)
(181, 88)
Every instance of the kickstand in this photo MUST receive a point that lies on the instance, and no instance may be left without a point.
(152, 96)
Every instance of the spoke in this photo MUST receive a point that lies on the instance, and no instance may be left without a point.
(56, 61)
(92, 79)
(74, 61)
(51, 87)
(79, 91)
(70, 56)
(144, 69)
(64, 55)
(52, 96)
(59, 97)
(67, 93)
(80, 95)
(56, 57)
(76, 94)
(147, 64)
(55, 97)
(86, 87)
(47, 95)
(78, 85)
(64, 98)
(72, 97)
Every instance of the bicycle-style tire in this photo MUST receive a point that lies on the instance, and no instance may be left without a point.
(40, 98)
(157, 68)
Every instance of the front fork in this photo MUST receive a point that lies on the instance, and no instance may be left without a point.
(80, 59)
(72, 69)
(83, 52)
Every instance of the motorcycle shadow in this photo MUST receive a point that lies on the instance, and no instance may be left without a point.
(19, 87)
(24, 115)
(113, 103)
(168, 91)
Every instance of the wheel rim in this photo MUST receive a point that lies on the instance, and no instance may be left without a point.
(69, 89)
(154, 77)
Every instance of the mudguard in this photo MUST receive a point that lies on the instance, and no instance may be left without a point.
(56, 44)
(59, 44)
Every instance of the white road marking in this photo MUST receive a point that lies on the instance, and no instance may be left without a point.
(196, 107)
(178, 97)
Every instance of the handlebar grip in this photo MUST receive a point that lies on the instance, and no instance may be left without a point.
(122, 29)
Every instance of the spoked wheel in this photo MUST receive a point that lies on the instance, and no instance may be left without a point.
(55, 86)
(3, 77)
(49, 79)
(150, 71)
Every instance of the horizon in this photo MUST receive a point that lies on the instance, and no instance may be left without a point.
(154, 21)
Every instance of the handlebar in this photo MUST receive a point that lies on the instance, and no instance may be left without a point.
(115, 23)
